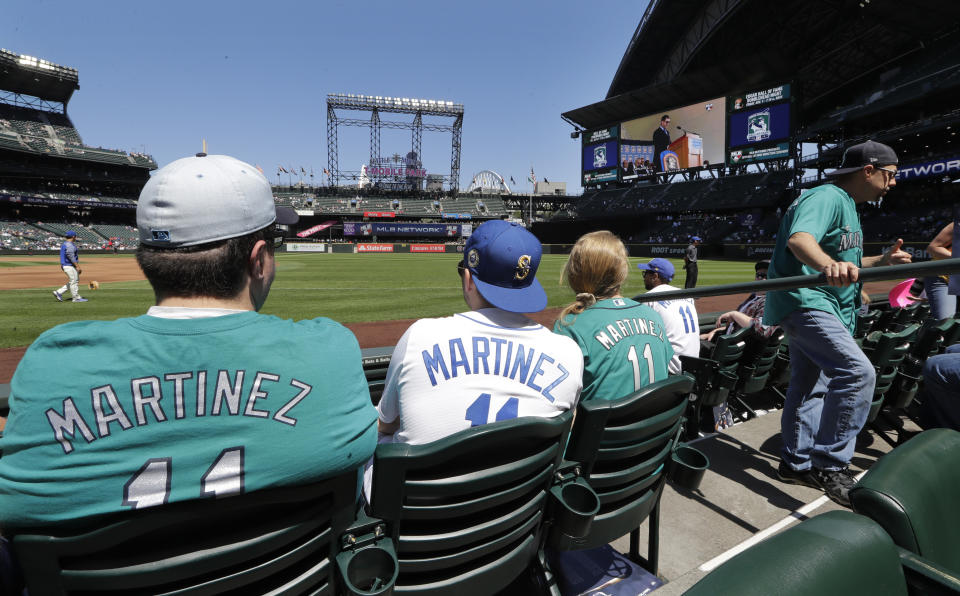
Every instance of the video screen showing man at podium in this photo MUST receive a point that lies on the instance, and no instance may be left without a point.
(685, 137)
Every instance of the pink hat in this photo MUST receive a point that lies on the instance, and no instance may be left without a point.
(900, 294)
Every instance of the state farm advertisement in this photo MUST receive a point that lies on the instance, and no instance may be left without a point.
(427, 248)
(374, 248)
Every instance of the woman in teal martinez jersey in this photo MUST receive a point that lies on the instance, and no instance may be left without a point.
(624, 343)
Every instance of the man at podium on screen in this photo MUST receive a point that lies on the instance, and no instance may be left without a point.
(661, 140)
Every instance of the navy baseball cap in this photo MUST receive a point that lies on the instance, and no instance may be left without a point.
(867, 153)
(661, 267)
(503, 258)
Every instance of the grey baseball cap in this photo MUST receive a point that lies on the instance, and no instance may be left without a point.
(867, 153)
(206, 198)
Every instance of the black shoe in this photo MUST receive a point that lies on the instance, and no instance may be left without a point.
(836, 484)
(804, 478)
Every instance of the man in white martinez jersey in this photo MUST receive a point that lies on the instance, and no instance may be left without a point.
(679, 316)
(486, 364)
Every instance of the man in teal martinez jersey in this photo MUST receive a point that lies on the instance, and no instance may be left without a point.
(831, 380)
(624, 343)
(201, 397)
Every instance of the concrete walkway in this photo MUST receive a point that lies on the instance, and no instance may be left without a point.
(740, 501)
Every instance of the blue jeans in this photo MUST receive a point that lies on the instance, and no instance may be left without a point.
(941, 390)
(831, 387)
(942, 304)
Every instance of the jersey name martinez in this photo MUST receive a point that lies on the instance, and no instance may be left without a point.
(624, 328)
(182, 394)
(494, 356)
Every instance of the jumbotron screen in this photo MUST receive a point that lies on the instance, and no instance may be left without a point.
(760, 125)
(671, 140)
(674, 139)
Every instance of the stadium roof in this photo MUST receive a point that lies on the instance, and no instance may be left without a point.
(28, 75)
(685, 51)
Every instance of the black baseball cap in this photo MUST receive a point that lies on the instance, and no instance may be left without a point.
(867, 153)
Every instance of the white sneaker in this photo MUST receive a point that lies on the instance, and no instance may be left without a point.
(79, 299)
(58, 296)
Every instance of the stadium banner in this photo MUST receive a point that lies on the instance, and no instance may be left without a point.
(917, 250)
(305, 247)
(400, 229)
(374, 248)
(604, 134)
(754, 154)
(316, 228)
(428, 248)
(940, 167)
(457, 216)
(636, 159)
(758, 98)
(379, 214)
(600, 176)
(68, 202)
(768, 124)
(466, 230)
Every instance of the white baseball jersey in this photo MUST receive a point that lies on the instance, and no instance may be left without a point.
(680, 319)
(452, 373)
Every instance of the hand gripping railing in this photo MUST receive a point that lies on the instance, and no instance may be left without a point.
(929, 268)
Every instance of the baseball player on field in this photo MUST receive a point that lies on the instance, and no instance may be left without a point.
(70, 263)
(211, 398)
(488, 363)
(624, 343)
(680, 316)
(831, 380)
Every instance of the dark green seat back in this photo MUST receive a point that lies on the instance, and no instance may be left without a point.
(624, 446)
(914, 493)
(467, 510)
(758, 359)
(837, 553)
(279, 540)
(729, 348)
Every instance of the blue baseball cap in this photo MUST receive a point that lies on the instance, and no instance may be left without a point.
(503, 258)
(695, 238)
(661, 267)
(71, 234)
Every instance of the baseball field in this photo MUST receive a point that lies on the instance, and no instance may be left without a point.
(376, 295)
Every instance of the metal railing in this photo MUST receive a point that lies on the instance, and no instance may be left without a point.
(891, 272)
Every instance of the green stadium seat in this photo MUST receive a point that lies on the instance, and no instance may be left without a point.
(284, 540)
(913, 492)
(837, 553)
(624, 447)
(715, 375)
(467, 511)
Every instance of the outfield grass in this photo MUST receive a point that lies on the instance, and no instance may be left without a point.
(345, 287)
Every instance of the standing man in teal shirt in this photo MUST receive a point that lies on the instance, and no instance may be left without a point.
(201, 397)
(831, 380)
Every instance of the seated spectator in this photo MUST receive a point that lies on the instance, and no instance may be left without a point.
(200, 397)
(940, 404)
(488, 363)
(624, 343)
(679, 316)
(748, 314)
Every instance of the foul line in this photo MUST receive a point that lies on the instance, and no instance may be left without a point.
(795, 516)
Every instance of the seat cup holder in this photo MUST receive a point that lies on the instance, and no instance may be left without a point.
(369, 571)
(687, 467)
(574, 506)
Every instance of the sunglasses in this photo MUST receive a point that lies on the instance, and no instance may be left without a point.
(460, 269)
(761, 275)
(277, 235)
(892, 173)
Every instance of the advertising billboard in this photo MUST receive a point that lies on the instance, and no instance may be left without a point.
(400, 229)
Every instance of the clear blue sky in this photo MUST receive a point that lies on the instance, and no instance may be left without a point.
(252, 77)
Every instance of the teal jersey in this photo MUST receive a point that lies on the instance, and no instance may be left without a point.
(829, 215)
(624, 346)
(107, 416)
